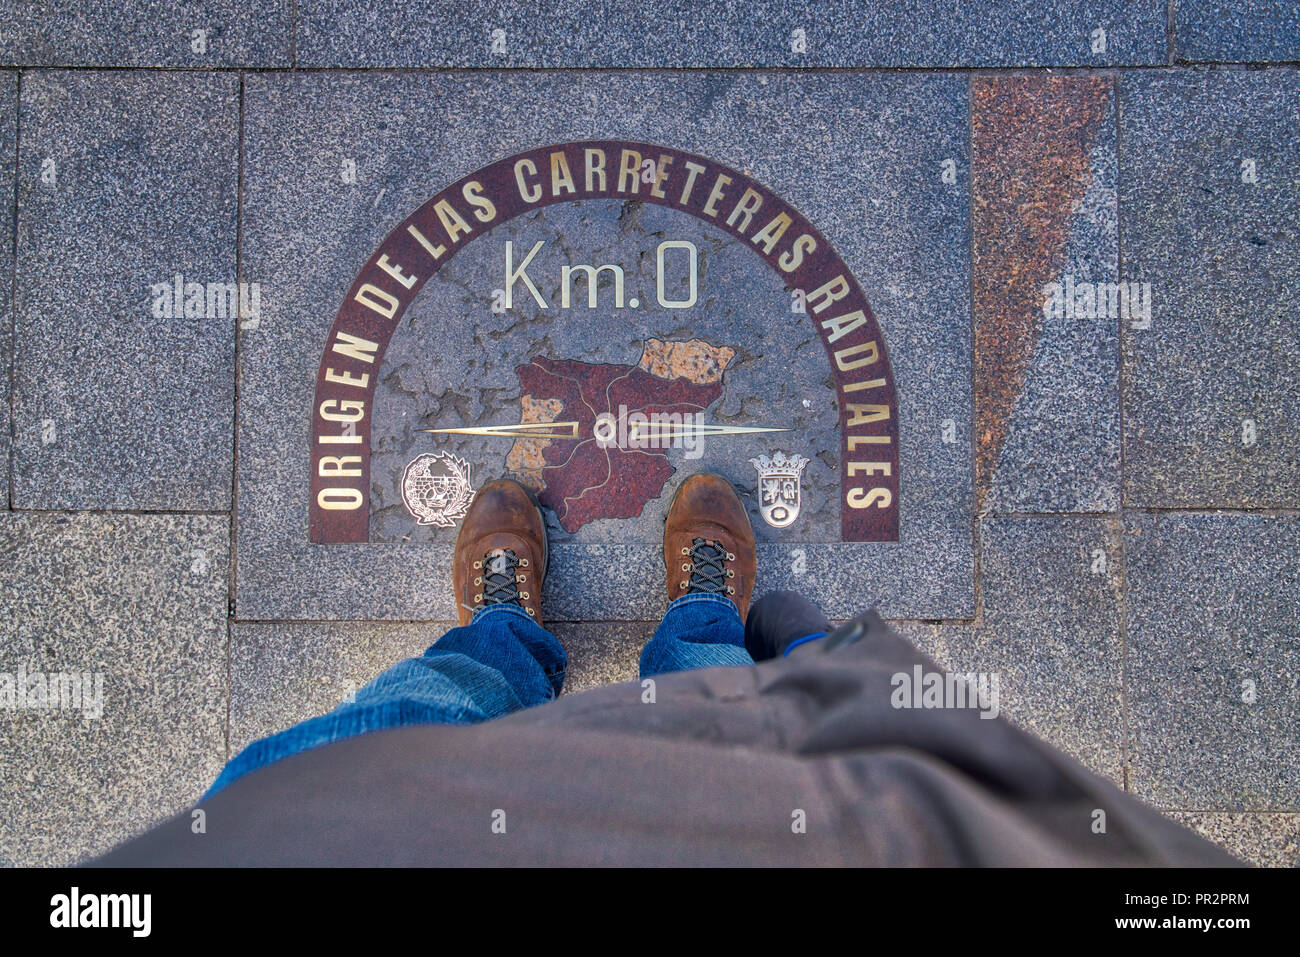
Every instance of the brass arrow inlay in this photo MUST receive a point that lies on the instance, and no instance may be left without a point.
(524, 430)
(638, 431)
(671, 430)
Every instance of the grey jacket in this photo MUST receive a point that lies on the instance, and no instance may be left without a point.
(797, 761)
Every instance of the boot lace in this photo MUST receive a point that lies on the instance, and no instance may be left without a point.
(707, 568)
(500, 578)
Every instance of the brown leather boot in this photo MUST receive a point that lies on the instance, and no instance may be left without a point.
(708, 542)
(500, 554)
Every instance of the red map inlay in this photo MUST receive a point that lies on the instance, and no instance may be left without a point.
(584, 479)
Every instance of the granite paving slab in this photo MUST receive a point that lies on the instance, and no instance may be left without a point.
(334, 163)
(202, 34)
(1214, 665)
(8, 138)
(1048, 299)
(1050, 632)
(1265, 840)
(1209, 214)
(285, 672)
(113, 644)
(281, 674)
(731, 33)
(602, 652)
(126, 291)
(1241, 31)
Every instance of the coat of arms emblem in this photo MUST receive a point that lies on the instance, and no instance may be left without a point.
(778, 487)
(436, 490)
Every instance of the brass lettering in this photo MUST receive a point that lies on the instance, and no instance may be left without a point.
(866, 414)
(339, 499)
(767, 237)
(451, 220)
(354, 347)
(434, 251)
(842, 325)
(842, 355)
(484, 209)
(528, 193)
(349, 410)
(832, 291)
(855, 440)
(347, 466)
(870, 468)
(749, 203)
(661, 174)
(595, 168)
(372, 297)
(629, 169)
(804, 245)
(696, 169)
(394, 270)
(560, 175)
(716, 194)
(347, 378)
(861, 498)
(865, 384)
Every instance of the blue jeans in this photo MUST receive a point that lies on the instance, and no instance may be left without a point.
(500, 662)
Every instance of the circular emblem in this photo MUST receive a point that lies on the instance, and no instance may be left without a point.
(436, 490)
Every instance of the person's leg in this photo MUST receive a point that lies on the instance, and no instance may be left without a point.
(709, 558)
(501, 662)
(698, 631)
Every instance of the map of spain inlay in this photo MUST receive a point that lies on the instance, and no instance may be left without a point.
(584, 479)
